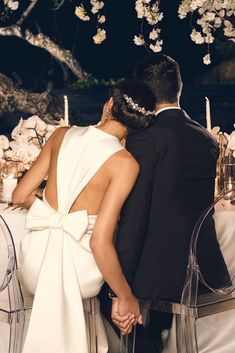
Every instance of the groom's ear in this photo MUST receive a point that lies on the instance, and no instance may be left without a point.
(110, 104)
(107, 110)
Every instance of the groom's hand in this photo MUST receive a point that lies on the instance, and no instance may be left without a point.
(124, 323)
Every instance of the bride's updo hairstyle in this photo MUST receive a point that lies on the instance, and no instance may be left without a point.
(133, 104)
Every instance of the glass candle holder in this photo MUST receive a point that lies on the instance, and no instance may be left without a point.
(8, 175)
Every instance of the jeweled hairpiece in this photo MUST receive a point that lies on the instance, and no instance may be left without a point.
(136, 106)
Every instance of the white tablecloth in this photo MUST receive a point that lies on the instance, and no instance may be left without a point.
(216, 333)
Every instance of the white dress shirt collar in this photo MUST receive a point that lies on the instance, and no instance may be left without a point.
(166, 108)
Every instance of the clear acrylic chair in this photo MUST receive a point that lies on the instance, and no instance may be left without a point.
(12, 311)
(204, 293)
(209, 286)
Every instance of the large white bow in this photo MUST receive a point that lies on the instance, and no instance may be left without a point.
(41, 216)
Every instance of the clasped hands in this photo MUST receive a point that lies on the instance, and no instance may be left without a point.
(126, 314)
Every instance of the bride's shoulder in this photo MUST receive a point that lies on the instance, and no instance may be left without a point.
(125, 161)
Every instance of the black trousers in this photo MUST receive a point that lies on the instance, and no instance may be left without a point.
(148, 337)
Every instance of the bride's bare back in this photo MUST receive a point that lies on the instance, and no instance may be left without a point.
(92, 195)
(120, 168)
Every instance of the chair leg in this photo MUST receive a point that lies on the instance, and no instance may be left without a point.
(127, 343)
(186, 335)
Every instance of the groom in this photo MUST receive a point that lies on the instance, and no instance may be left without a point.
(177, 159)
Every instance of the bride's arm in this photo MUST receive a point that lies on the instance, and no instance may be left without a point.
(24, 193)
(124, 174)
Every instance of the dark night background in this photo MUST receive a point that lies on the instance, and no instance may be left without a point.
(33, 68)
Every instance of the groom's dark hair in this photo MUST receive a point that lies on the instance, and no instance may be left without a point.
(162, 74)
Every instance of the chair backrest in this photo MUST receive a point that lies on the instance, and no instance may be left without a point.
(8, 267)
(12, 313)
(211, 265)
(208, 297)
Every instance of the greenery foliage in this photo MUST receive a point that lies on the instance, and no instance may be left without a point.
(90, 81)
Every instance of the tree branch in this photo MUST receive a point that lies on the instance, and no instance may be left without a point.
(42, 41)
(26, 12)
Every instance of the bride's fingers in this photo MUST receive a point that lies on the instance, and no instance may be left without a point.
(126, 326)
(119, 318)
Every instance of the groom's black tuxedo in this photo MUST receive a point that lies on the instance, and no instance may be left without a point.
(177, 159)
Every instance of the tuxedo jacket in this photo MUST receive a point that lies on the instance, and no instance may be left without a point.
(177, 159)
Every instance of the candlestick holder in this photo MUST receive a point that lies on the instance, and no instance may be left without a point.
(229, 175)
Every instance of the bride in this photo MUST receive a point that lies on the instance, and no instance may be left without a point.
(68, 251)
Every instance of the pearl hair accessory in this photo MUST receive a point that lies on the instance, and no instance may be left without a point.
(136, 106)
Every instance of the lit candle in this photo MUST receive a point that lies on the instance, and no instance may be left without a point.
(208, 115)
(8, 185)
(66, 111)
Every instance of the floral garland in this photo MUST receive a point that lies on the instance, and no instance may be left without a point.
(207, 17)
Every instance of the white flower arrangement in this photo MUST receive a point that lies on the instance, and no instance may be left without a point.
(228, 139)
(231, 142)
(28, 138)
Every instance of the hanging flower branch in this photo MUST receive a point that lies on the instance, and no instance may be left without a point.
(207, 17)
(149, 13)
(211, 15)
(96, 7)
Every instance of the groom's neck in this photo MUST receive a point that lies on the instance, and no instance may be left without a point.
(159, 106)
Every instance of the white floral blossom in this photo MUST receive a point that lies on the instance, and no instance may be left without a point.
(28, 138)
(81, 13)
(207, 59)
(154, 34)
(17, 130)
(149, 11)
(229, 30)
(96, 6)
(231, 141)
(100, 36)
(209, 16)
(157, 47)
(139, 40)
(197, 37)
(102, 19)
(4, 142)
(12, 4)
(1, 153)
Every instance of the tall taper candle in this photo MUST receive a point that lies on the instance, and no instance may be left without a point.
(66, 110)
(208, 115)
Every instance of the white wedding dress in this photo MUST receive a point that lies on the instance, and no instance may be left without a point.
(56, 265)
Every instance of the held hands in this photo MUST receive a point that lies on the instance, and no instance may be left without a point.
(126, 314)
